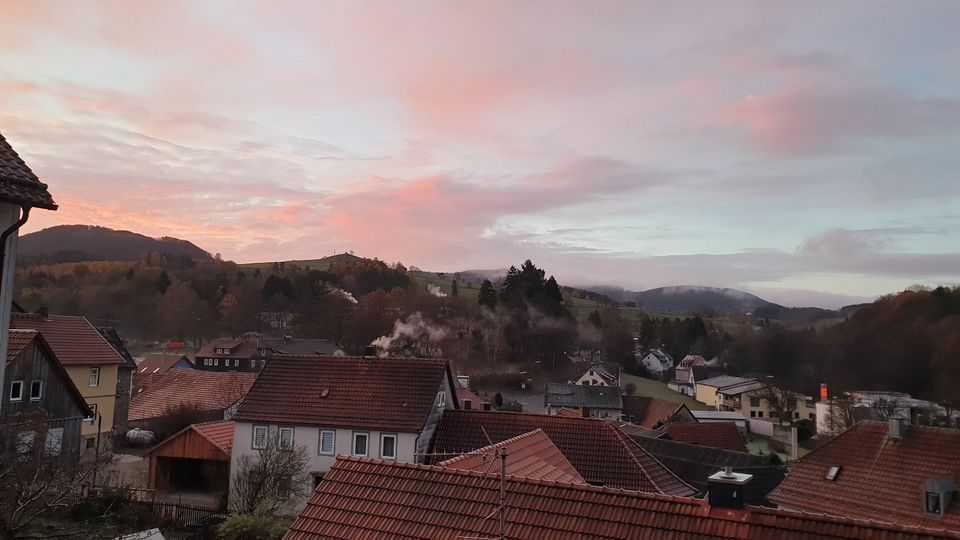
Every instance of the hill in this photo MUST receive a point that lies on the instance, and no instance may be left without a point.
(310, 264)
(75, 243)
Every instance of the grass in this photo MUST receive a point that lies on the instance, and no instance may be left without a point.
(659, 390)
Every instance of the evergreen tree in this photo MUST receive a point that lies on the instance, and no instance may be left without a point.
(454, 290)
(488, 295)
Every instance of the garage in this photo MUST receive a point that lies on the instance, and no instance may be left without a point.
(194, 462)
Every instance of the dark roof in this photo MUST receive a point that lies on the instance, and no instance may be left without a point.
(156, 364)
(649, 412)
(239, 348)
(879, 478)
(362, 498)
(702, 373)
(596, 448)
(18, 184)
(74, 340)
(531, 455)
(19, 340)
(723, 435)
(207, 390)
(110, 334)
(578, 395)
(694, 464)
(347, 391)
(308, 347)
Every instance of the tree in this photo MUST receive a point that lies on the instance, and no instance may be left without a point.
(781, 402)
(630, 389)
(498, 400)
(488, 295)
(270, 481)
(454, 289)
(39, 471)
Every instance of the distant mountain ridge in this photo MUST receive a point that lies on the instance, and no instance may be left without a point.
(76, 243)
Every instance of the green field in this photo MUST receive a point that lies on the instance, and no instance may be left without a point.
(659, 390)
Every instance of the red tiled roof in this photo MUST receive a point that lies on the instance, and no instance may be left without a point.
(648, 411)
(879, 478)
(465, 394)
(564, 412)
(714, 434)
(154, 365)
(362, 498)
(73, 339)
(596, 448)
(18, 341)
(531, 455)
(18, 184)
(374, 393)
(208, 390)
(220, 434)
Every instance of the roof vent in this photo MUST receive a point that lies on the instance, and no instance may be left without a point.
(325, 392)
(897, 428)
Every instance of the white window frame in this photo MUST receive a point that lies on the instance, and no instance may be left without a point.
(441, 399)
(39, 393)
(280, 443)
(333, 442)
(366, 444)
(253, 363)
(253, 439)
(19, 386)
(216, 362)
(93, 412)
(94, 379)
(384, 436)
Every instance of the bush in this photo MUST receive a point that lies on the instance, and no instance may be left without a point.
(630, 389)
(256, 525)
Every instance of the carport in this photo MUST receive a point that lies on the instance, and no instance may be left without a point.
(196, 460)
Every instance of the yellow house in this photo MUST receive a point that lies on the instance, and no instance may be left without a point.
(95, 367)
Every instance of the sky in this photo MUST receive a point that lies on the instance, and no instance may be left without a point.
(807, 152)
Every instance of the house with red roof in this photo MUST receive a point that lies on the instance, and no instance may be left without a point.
(211, 395)
(882, 471)
(156, 364)
(376, 499)
(723, 435)
(94, 366)
(386, 408)
(531, 455)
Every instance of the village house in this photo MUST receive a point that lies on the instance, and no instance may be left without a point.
(601, 454)
(94, 366)
(376, 499)
(531, 455)
(881, 471)
(657, 362)
(154, 365)
(744, 397)
(686, 377)
(722, 435)
(386, 408)
(251, 352)
(591, 401)
(38, 384)
(20, 192)
(651, 413)
(600, 374)
(203, 395)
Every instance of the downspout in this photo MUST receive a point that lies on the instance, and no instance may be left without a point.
(6, 235)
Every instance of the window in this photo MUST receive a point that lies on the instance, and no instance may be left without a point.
(388, 446)
(796, 415)
(25, 442)
(36, 389)
(754, 402)
(16, 390)
(91, 441)
(259, 437)
(812, 416)
(317, 478)
(327, 441)
(253, 363)
(93, 412)
(832, 473)
(441, 399)
(360, 444)
(931, 503)
(216, 361)
(54, 441)
(759, 414)
(286, 438)
(94, 377)
(753, 414)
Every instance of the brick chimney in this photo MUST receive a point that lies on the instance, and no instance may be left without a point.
(44, 311)
(727, 489)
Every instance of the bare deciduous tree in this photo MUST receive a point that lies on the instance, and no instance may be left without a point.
(270, 480)
(40, 470)
(782, 403)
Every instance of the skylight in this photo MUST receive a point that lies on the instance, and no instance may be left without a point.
(832, 473)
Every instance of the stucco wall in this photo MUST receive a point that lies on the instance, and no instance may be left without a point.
(104, 395)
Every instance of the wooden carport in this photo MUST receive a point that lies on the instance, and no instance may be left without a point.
(197, 458)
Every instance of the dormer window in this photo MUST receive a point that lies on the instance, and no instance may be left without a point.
(931, 503)
(937, 494)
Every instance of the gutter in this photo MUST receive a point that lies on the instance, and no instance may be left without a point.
(9, 231)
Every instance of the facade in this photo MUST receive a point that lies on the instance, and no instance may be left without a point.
(657, 362)
(93, 365)
(601, 374)
(384, 408)
(743, 396)
(37, 383)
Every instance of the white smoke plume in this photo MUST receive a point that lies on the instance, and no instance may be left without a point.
(435, 291)
(346, 294)
(414, 329)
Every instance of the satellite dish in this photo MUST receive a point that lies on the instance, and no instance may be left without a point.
(339, 353)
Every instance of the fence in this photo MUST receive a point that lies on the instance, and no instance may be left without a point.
(176, 515)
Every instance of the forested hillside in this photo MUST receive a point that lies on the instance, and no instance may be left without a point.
(75, 243)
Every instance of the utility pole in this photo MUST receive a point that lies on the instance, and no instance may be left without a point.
(503, 493)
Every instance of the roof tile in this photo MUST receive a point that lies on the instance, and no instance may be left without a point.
(18, 184)
(73, 339)
(208, 390)
(531, 455)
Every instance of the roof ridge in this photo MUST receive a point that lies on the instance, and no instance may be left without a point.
(500, 444)
(630, 444)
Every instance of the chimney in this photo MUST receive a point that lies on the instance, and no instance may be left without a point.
(467, 405)
(727, 488)
(897, 428)
(369, 352)
(44, 312)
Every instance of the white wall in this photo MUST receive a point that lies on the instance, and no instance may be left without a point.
(9, 214)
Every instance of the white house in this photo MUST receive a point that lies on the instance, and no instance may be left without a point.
(382, 408)
(600, 374)
(657, 362)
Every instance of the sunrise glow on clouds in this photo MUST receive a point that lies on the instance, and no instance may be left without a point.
(804, 151)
